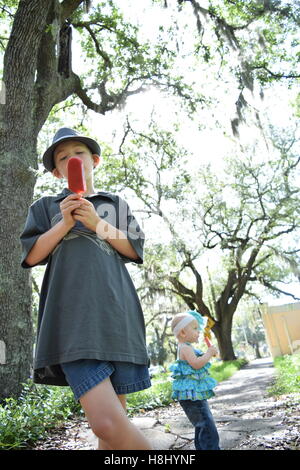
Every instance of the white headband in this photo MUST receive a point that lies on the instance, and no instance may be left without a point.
(185, 321)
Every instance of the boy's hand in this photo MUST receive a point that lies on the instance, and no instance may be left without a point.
(87, 215)
(67, 206)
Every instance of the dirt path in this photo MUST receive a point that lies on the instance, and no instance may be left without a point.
(246, 417)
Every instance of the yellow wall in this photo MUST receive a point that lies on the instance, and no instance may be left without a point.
(282, 325)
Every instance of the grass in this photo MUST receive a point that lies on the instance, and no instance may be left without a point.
(40, 408)
(158, 395)
(223, 370)
(287, 375)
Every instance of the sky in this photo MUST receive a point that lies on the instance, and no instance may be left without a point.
(209, 143)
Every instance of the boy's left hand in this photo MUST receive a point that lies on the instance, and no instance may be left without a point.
(87, 215)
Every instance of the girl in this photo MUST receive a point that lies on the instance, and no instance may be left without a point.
(91, 332)
(192, 384)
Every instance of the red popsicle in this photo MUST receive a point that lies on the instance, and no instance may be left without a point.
(208, 342)
(76, 179)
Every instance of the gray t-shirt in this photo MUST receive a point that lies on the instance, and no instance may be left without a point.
(89, 308)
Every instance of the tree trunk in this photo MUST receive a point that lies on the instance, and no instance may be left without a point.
(15, 289)
(257, 351)
(18, 138)
(222, 331)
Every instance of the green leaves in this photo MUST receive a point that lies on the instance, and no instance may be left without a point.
(288, 375)
(112, 44)
(28, 418)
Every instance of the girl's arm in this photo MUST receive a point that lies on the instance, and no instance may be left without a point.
(187, 354)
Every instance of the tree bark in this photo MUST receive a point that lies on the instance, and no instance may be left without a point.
(18, 137)
(32, 87)
(222, 331)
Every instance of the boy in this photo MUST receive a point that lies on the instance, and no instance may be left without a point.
(91, 332)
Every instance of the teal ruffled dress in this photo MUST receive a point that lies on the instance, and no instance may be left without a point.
(191, 384)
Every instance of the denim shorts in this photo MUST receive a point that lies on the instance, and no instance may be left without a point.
(126, 377)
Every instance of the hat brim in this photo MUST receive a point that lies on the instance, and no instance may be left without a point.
(48, 157)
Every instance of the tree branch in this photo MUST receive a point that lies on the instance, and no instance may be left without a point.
(68, 7)
(276, 289)
(101, 52)
(275, 75)
(108, 101)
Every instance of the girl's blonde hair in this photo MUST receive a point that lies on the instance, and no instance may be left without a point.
(189, 316)
(177, 319)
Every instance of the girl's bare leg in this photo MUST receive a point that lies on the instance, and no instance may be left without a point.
(108, 419)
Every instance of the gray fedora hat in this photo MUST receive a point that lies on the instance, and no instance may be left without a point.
(63, 135)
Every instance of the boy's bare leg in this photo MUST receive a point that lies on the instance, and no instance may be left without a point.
(101, 444)
(109, 421)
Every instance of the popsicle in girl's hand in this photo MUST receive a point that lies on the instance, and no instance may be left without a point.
(76, 179)
(208, 343)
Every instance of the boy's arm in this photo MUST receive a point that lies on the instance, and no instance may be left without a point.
(46, 242)
(87, 215)
(116, 239)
